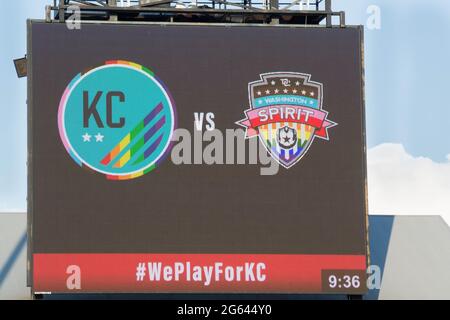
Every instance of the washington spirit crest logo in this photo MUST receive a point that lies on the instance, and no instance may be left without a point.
(286, 113)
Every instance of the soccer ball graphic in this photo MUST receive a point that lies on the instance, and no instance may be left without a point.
(286, 137)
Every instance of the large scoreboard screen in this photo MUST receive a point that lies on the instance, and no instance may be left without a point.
(196, 158)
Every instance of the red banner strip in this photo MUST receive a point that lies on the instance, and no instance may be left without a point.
(281, 113)
(241, 273)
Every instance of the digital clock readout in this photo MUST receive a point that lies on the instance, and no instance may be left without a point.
(344, 281)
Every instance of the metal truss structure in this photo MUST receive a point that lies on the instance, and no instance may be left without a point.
(298, 12)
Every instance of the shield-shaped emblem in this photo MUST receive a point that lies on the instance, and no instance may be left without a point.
(286, 113)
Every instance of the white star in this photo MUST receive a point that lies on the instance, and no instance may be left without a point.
(276, 91)
(259, 93)
(297, 83)
(303, 92)
(273, 82)
(294, 91)
(312, 94)
(267, 91)
(86, 137)
(99, 137)
(285, 90)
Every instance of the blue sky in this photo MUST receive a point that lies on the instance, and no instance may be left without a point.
(407, 75)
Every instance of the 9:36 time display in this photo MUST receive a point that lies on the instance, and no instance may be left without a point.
(344, 281)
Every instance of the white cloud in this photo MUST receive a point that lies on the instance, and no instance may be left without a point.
(402, 184)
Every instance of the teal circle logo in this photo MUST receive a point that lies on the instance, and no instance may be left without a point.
(117, 119)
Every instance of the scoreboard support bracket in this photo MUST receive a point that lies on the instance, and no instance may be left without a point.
(206, 11)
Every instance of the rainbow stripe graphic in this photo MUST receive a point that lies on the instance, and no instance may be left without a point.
(125, 142)
(134, 149)
(304, 134)
(131, 64)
